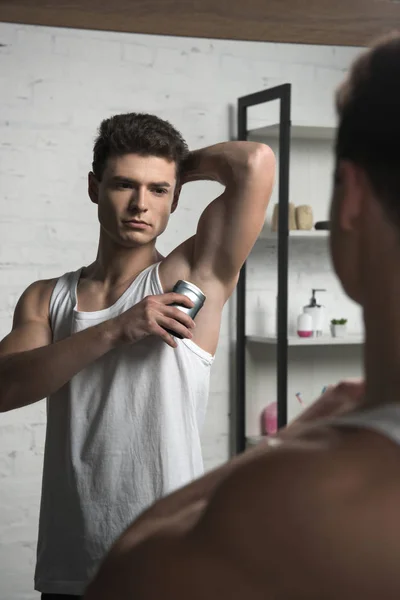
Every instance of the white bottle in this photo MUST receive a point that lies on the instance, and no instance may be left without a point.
(304, 325)
(317, 312)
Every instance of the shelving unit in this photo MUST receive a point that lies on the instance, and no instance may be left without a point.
(297, 234)
(281, 93)
(298, 131)
(283, 132)
(324, 340)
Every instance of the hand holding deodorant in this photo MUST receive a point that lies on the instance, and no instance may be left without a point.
(194, 294)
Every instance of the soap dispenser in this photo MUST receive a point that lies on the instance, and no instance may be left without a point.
(317, 312)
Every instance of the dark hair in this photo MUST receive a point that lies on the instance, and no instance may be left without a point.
(137, 133)
(368, 105)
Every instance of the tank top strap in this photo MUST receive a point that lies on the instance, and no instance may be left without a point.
(383, 419)
(62, 291)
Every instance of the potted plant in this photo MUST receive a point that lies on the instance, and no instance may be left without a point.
(338, 327)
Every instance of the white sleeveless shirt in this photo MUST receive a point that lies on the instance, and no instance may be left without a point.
(383, 419)
(122, 433)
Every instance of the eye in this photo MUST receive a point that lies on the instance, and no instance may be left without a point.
(124, 185)
(160, 191)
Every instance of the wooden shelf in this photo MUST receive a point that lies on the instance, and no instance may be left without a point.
(311, 234)
(299, 132)
(325, 340)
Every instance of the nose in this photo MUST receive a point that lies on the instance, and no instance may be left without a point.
(138, 200)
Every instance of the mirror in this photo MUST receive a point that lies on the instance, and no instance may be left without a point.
(57, 85)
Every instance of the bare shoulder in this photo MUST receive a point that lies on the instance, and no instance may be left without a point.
(31, 324)
(314, 518)
(35, 300)
(319, 512)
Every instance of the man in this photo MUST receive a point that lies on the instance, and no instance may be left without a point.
(315, 514)
(126, 399)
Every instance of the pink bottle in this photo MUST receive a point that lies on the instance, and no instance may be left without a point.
(269, 419)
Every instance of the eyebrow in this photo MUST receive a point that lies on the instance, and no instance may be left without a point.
(161, 184)
(120, 179)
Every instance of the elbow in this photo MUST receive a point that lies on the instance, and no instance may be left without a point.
(254, 159)
(261, 170)
(261, 156)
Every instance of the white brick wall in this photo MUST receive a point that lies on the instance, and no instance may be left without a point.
(55, 87)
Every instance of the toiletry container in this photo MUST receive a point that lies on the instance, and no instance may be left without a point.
(304, 325)
(317, 312)
(269, 419)
(291, 217)
(304, 217)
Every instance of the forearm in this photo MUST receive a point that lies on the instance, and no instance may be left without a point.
(27, 377)
(227, 162)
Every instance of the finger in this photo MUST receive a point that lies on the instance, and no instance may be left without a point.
(178, 315)
(173, 298)
(174, 325)
(328, 389)
(354, 388)
(168, 338)
(324, 406)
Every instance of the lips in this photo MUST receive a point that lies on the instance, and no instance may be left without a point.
(136, 221)
(136, 224)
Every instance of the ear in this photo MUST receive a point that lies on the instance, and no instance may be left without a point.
(177, 194)
(93, 188)
(350, 185)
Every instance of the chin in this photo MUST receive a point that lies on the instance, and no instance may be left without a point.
(136, 240)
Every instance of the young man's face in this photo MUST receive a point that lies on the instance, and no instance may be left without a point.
(135, 197)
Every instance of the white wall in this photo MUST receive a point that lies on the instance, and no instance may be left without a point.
(55, 87)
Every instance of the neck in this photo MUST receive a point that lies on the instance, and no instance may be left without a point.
(115, 263)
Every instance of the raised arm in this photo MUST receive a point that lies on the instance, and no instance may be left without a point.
(227, 229)
(230, 225)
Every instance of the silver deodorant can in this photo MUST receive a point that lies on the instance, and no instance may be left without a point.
(196, 296)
